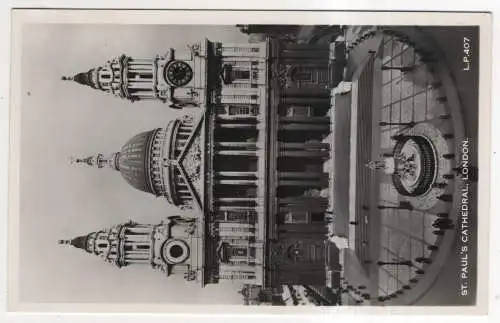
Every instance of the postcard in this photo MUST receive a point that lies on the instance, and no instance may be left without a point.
(165, 159)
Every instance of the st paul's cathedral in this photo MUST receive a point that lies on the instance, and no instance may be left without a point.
(251, 165)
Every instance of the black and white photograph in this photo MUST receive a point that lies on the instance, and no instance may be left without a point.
(272, 164)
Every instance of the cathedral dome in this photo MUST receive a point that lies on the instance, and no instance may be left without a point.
(164, 161)
(133, 161)
(149, 161)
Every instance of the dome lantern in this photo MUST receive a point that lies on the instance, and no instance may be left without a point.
(98, 161)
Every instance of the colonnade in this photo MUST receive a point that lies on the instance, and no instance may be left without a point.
(242, 232)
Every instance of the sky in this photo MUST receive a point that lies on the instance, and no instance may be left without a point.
(60, 120)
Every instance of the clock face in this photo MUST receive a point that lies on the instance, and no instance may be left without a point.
(175, 251)
(178, 73)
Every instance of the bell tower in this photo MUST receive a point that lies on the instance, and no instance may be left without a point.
(169, 247)
(176, 78)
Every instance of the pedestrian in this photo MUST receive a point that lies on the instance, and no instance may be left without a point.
(443, 224)
(423, 260)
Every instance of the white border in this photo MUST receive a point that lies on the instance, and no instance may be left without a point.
(346, 18)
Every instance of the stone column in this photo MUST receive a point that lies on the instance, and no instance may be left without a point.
(304, 127)
(236, 182)
(302, 175)
(236, 117)
(303, 146)
(302, 183)
(236, 125)
(138, 84)
(305, 119)
(310, 100)
(138, 230)
(235, 174)
(140, 61)
(239, 144)
(236, 152)
(302, 179)
(137, 256)
(235, 199)
(234, 225)
(304, 153)
(231, 234)
(236, 208)
(303, 204)
(142, 238)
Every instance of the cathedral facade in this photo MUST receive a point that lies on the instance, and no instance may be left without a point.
(250, 161)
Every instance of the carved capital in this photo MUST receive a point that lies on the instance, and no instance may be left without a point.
(195, 49)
